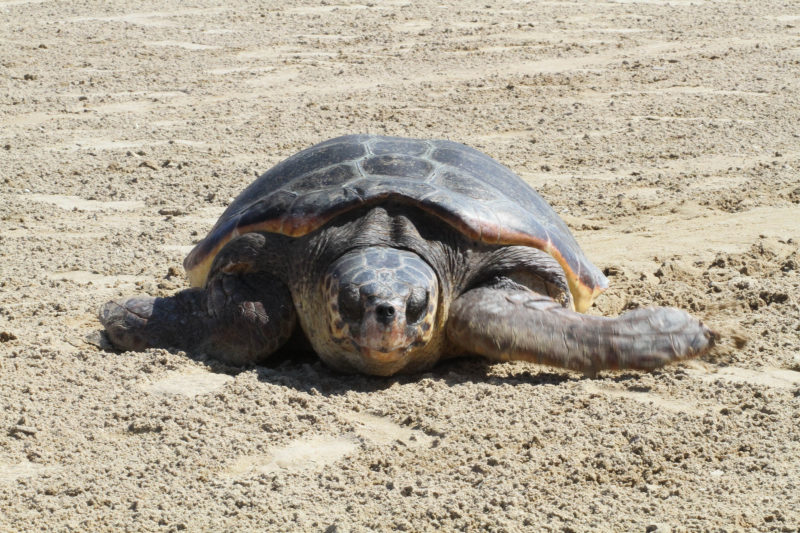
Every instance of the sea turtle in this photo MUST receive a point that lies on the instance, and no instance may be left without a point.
(393, 253)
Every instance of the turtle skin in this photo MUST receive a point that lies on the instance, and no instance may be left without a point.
(386, 255)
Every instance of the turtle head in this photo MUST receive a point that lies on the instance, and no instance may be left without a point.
(381, 305)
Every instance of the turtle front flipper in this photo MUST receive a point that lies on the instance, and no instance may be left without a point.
(508, 324)
(238, 319)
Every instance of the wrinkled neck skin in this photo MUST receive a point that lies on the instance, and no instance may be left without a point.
(308, 265)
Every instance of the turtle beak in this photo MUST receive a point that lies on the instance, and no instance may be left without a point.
(383, 329)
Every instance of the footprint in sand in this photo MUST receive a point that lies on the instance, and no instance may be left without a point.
(103, 143)
(152, 18)
(302, 454)
(193, 383)
(649, 398)
(71, 202)
(771, 377)
(12, 472)
(316, 452)
(183, 44)
(83, 277)
(380, 430)
(181, 249)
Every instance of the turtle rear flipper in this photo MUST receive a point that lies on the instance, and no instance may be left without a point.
(508, 324)
(238, 319)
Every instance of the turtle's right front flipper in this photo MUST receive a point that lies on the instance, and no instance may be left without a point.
(239, 319)
(507, 324)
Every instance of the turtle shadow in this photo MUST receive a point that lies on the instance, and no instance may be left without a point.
(476, 370)
(308, 374)
(301, 369)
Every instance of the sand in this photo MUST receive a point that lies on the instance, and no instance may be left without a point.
(665, 133)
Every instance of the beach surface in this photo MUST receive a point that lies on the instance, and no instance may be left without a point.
(665, 133)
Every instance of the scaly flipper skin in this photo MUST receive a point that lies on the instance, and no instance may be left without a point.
(238, 319)
(507, 324)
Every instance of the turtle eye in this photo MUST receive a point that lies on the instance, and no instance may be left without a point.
(350, 303)
(416, 306)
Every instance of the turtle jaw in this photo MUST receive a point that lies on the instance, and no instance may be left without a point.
(382, 357)
(382, 340)
(384, 353)
(379, 333)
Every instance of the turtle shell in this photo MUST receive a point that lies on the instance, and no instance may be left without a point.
(464, 187)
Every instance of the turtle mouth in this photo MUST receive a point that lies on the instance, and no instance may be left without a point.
(383, 336)
(383, 355)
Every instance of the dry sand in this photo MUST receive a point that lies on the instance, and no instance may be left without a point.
(665, 133)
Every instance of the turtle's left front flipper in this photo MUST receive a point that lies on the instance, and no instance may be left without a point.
(508, 324)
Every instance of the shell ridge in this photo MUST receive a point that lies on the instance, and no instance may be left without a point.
(429, 152)
(286, 213)
(436, 172)
(368, 144)
(360, 168)
(355, 192)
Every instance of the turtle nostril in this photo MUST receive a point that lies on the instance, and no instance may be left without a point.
(384, 313)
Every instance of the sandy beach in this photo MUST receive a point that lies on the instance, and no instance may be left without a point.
(665, 133)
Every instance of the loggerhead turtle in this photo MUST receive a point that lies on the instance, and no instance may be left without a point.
(393, 253)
